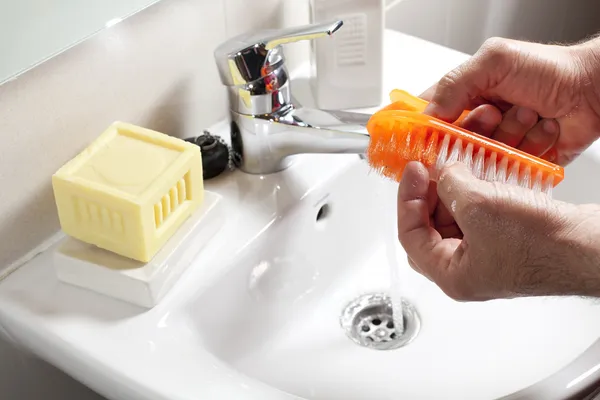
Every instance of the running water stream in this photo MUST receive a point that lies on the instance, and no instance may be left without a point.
(391, 245)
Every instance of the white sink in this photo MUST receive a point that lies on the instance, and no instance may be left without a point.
(257, 314)
(275, 315)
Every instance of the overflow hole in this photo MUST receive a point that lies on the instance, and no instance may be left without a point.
(323, 212)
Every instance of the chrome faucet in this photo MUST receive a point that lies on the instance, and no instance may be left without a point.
(267, 124)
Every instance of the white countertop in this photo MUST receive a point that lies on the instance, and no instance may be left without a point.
(73, 328)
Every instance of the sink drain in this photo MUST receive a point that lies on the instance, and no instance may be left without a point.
(369, 322)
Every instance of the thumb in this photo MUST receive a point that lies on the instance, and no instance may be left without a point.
(458, 89)
(461, 192)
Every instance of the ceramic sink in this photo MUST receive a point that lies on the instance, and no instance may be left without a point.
(274, 316)
(258, 313)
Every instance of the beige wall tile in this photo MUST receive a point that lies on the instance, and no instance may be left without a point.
(154, 69)
(248, 15)
(295, 13)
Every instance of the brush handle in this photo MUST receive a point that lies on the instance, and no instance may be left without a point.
(402, 100)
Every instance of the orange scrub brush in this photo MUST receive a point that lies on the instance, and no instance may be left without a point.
(401, 133)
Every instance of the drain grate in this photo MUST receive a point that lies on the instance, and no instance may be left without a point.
(369, 322)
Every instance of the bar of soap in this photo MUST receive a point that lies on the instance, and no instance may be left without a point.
(129, 191)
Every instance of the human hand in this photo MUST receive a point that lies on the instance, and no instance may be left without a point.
(542, 99)
(496, 240)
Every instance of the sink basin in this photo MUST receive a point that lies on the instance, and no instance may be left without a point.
(257, 315)
(275, 315)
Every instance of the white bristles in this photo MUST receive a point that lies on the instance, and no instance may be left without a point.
(513, 174)
(478, 163)
(548, 185)
(443, 153)
(537, 182)
(525, 178)
(494, 168)
(456, 151)
(502, 170)
(467, 156)
(490, 168)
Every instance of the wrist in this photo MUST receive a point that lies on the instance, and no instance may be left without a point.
(577, 247)
(586, 56)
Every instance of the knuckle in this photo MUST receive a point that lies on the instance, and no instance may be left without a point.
(496, 47)
(450, 79)
(497, 53)
(454, 178)
(447, 175)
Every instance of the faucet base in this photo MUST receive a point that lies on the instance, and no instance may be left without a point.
(252, 150)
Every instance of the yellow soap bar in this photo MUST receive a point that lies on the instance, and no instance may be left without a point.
(130, 190)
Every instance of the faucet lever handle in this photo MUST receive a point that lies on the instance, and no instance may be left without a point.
(297, 33)
(241, 58)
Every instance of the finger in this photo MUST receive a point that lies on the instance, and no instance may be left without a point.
(515, 124)
(473, 103)
(461, 192)
(422, 243)
(440, 218)
(451, 230)
(414, 206)
(432, 198)
(483, 120)
(551, 155)
(502, 105)
(428, 94)
(541, 137)
(416, 268)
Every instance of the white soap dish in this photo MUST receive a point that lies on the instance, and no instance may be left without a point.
(143, 284)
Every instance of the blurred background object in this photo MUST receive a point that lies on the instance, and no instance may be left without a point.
(465, 24)
(34, 30)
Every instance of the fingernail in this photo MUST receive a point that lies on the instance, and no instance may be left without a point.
(525, 115)
(488, 117)
(431, 110)
(550, 155)
(550, 126)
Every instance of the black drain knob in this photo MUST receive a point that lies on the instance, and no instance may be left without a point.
(215, 154)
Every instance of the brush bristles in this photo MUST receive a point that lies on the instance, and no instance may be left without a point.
(389, 155)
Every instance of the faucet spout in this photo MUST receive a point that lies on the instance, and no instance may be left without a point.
(320, 131)
(263, 143)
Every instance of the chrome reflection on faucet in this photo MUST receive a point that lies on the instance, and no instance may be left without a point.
(266, 125)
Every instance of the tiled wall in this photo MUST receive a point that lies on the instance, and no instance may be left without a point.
(155, 69)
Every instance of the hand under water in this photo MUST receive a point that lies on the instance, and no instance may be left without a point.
(479, 240)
